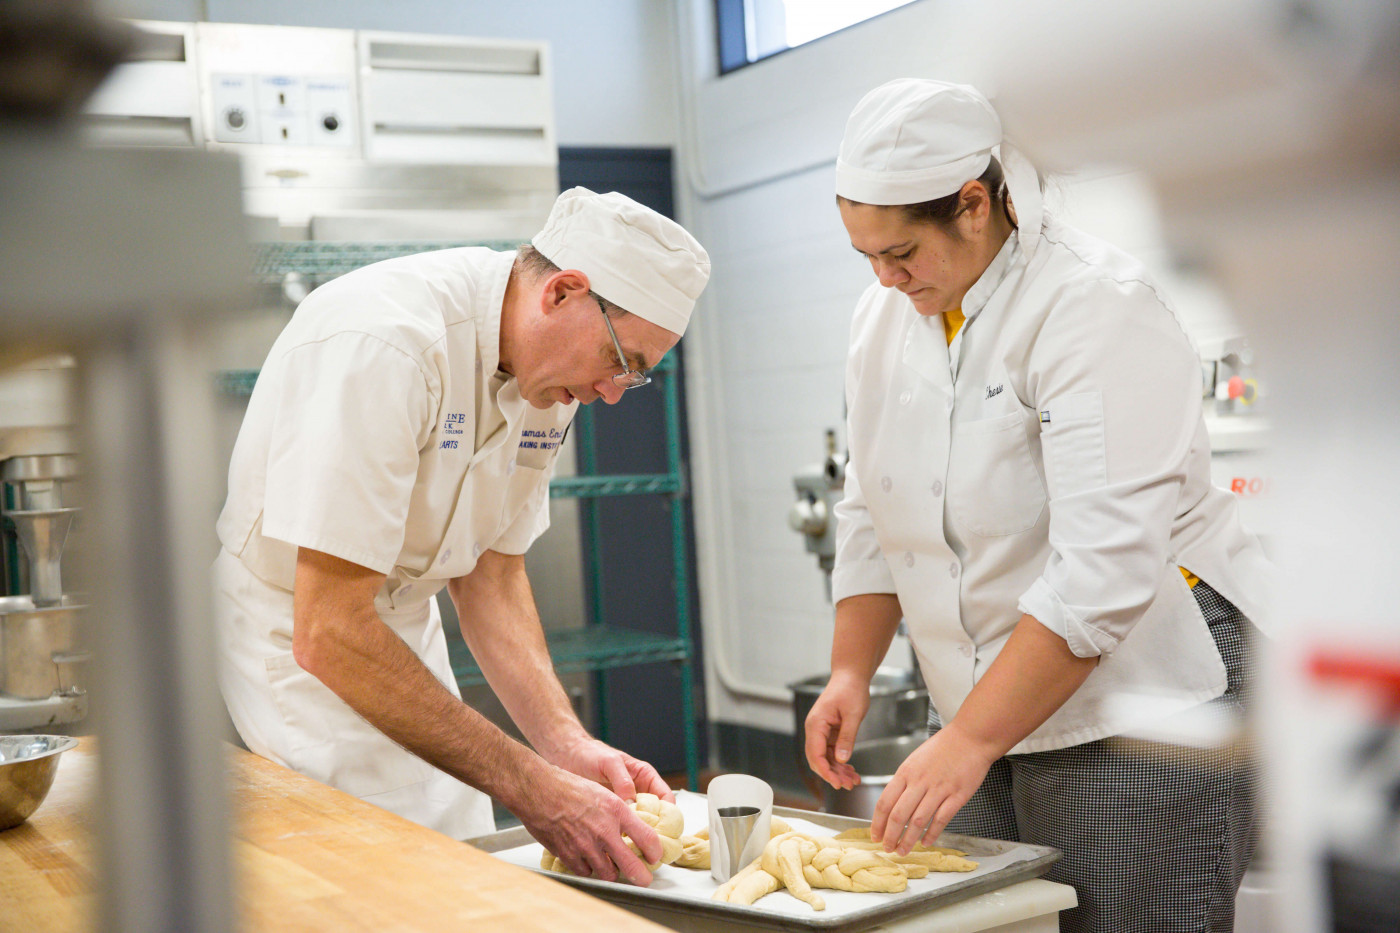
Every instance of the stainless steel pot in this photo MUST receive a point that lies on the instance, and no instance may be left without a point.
(876, 762)
(898, 706)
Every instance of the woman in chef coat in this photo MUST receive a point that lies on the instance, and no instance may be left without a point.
(1029, 489)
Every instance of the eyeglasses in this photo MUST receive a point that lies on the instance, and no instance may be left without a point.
(629, 378)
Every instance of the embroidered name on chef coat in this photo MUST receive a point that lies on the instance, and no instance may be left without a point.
(454, 426)
(537, 446)
(541, 440)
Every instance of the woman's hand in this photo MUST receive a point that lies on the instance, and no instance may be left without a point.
(928, 790)
(626, 776)
(831, 729)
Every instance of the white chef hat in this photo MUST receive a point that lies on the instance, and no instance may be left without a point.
(633, 256)
(913, 140)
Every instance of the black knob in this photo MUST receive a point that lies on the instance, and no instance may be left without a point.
(330, 123)
(234, 118)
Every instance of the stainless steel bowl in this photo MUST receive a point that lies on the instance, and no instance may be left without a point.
(876, 762)
(27, 767)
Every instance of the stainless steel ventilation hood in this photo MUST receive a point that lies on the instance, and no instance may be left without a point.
(349, 135)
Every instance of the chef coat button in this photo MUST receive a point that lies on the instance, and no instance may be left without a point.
(908, 559)
(953, 571)
(904, 397)
(937, 487)
(886, 483)
(405, 591)
(966, 651)
(445, 555)
(476, 550)
(510, 468)
(950, 404)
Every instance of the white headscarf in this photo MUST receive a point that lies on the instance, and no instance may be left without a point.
(913, 140)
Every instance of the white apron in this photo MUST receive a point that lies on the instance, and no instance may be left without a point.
(286, 715)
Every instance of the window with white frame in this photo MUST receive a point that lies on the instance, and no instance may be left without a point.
(750, 30)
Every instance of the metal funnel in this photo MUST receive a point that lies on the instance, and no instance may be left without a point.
(43, 532)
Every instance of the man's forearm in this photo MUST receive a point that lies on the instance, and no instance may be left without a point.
(502, 628)
(340, 639)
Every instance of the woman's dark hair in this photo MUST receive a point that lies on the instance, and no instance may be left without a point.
(942, 212)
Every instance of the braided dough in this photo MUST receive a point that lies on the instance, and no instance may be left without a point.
(696, 847)
(932, 858)
(800, 862)
(661, 815)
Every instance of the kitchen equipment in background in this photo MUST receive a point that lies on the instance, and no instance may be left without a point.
(42, 661)
(348, 135)
(898, 698)
(27, 766)
(898, 708)
(818, 490)
(875, 761)
(1235, 406)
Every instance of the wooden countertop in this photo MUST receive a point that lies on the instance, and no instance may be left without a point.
(307, 857)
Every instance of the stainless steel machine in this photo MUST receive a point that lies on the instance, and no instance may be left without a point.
(818, 489)
(43, 659)
(898, 714)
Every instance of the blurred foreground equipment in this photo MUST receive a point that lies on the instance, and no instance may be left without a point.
(1271, 132)
(112, 261)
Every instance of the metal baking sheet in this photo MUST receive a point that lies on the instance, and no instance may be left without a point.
(1025, 861)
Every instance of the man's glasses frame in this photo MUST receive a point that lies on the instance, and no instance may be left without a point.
(629, 378)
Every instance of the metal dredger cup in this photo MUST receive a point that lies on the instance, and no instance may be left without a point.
(740, 812)
(736, 826)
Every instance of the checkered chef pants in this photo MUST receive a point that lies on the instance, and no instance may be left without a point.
(1155, 838)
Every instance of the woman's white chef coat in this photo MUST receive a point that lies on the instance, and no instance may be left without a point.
(380, 432)
(1054, 461)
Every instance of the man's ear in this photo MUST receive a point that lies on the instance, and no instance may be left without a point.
(562, 286)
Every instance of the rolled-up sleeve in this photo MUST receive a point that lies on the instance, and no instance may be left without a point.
(1117, 384)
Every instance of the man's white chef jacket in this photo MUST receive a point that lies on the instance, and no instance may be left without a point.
(1054, 461)
(380, 432)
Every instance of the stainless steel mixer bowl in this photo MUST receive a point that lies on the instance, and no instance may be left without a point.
(898, 706)
(27, 767)
(876, 762)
